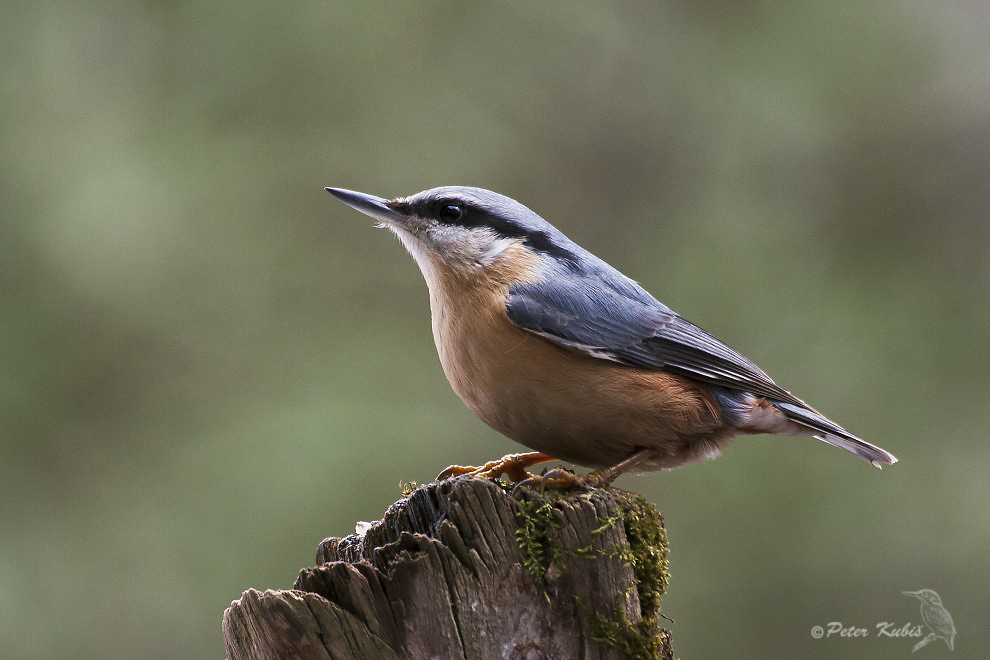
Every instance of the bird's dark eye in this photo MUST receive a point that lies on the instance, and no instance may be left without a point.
(451, 213)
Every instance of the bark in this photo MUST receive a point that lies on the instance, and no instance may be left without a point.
(465, 569)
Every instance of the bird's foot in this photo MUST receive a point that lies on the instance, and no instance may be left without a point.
(512, 465)
(562, 480)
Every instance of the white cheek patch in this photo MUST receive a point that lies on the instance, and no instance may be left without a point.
(458, 247)
(467, 247)
(492, 251)
(418, 251)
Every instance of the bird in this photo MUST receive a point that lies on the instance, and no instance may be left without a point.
(936, 617)
(560, 352)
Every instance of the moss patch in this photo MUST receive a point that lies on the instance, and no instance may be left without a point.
(536, 523)
(640, 639)
(637, 640)
(648, 545)
(646, 553)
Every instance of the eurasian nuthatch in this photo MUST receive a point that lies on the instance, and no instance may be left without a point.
(564, 354)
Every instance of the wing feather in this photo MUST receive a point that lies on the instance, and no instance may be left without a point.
(640, 332)
(608, 316)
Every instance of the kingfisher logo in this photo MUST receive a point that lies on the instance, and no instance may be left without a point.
(936, 624)
(936, 618)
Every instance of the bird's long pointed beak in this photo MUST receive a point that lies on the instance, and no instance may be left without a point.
(376, 207)
(911, 593)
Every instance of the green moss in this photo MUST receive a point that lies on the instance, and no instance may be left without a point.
(506, 485)
(648, 546)
(536, 524)
(647, 538)
(637, 640)
(646, 553)
(407, 488)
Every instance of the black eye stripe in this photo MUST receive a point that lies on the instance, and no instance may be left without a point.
(457, 213)
(537, 240)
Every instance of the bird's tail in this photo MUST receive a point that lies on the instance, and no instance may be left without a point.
(830, 432)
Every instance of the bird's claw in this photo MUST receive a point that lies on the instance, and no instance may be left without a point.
(561, 480)
(512, 465)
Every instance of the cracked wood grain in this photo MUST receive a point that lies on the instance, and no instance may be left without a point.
(443, 575)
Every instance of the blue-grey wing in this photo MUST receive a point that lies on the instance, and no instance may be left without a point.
(605, 322)
(612, 318)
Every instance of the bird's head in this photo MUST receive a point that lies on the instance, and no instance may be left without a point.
(469, 232)
(926, 595)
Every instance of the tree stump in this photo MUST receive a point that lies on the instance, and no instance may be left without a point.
(464, 568)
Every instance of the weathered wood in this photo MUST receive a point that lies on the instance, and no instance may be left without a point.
(464, 569)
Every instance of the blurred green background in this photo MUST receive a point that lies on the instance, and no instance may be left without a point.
(208, 364)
